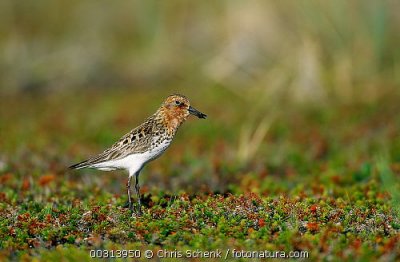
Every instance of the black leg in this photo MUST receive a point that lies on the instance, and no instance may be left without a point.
(137, 187)
(128, 187)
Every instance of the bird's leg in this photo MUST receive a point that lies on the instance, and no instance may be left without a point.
(128, 187)
(137, 187)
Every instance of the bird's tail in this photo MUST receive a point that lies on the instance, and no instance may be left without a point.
(80, 165)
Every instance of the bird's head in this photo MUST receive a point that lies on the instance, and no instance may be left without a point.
(176, 108)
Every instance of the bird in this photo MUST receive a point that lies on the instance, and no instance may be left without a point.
(144, 143)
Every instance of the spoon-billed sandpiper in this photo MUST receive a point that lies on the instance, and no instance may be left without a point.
(144, 143)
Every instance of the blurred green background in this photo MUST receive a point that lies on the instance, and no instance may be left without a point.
(307, 50)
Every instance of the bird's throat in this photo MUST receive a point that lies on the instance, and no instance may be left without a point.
(172, 121)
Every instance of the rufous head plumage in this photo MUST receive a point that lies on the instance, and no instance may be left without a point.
(175, 110)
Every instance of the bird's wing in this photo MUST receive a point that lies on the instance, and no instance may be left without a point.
(136, 141)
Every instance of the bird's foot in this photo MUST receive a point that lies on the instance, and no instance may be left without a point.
(139, 211)
(136, 211)
(128, 204)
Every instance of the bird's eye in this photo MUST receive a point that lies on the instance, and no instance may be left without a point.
(178, 103)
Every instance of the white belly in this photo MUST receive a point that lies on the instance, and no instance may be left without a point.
(134, 162)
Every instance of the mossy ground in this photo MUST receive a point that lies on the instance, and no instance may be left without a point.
(324, 180)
